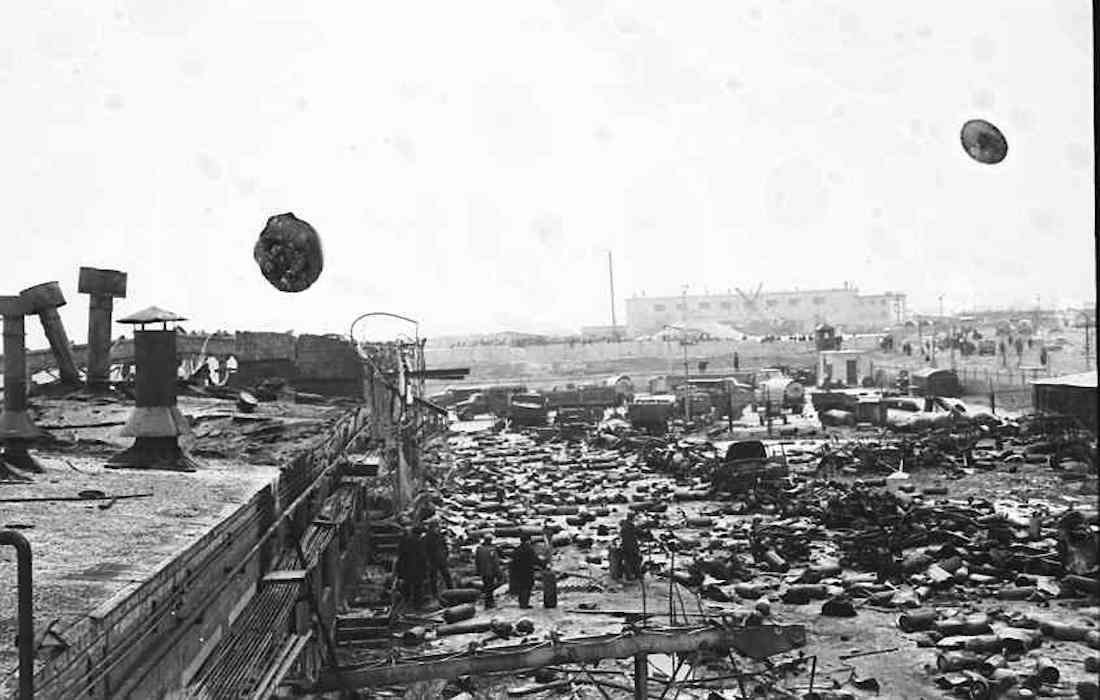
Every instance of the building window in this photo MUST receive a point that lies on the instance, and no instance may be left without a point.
(727, 305)
(771, 303)
(793, 301)
(658, 307)
(819, 301)
(882, 302)
(679, 307)
(704, 305)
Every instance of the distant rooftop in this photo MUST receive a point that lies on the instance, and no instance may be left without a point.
(779, 292)
(1086, 380)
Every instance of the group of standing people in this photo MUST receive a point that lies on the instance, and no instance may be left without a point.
(422, 562)
(521, 570)
(422, 557)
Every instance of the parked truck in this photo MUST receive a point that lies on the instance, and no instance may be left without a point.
(651, 412)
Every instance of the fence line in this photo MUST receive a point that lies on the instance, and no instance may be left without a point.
(1010, 387)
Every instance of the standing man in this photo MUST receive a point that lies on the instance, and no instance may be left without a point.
(435, 544)
(523, 570)
(631, 552)
(487, 563)
(410, 566)
(736, 361)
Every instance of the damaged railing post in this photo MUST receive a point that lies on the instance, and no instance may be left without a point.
(25, 583)
(103, 286)
(44, 300)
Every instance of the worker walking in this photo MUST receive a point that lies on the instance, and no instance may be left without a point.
(411, 566)
(487, 564)
(435, 545)
(523, 570)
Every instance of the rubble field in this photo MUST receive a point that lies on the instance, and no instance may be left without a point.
(972, 576)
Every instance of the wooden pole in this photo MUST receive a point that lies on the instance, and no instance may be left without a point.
(755, 642)
(641, 676)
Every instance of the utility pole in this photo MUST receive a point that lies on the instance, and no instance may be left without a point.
(920, 337)
(1088, 352)
(683, 344)
(611, 280)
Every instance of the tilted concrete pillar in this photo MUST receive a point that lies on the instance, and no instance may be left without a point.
(103, 286)
(45, 299)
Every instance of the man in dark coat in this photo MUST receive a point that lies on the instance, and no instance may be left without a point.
(631, 552)
(487, 564)
(523, 570)
(411, 566)
(435, 545)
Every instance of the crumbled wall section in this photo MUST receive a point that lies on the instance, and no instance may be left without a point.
(328, 365)
(318, 364)
(253, 346)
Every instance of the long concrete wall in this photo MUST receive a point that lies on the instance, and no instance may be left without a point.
(750, 353)
(149, 639)
(563, 352)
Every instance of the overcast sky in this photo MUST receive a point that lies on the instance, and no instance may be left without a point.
(470, 164)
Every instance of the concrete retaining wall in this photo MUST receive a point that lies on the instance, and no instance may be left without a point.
(149, 639)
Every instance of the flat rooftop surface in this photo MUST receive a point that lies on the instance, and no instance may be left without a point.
(83, 552)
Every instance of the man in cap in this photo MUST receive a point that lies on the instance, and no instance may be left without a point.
(411, 566)
(487, 564)
(435, 545)
(523, 570)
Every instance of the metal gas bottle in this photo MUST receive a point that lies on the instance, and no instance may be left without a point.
(549, 589)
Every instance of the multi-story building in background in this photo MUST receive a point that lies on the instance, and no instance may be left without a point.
(760, 312)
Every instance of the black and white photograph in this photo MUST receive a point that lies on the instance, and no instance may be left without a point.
(549, 349)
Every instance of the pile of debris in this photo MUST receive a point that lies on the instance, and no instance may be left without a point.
(833, 534)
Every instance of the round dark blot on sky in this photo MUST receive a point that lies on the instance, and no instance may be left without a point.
(984, 142)
(289, 253)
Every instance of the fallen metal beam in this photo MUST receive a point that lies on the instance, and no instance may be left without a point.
(755, 642)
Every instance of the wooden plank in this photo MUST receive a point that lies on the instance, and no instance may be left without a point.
(284, 576)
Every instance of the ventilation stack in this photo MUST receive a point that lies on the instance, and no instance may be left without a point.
(103, 286)
(155, 423)
(44, 300)
(16, 428)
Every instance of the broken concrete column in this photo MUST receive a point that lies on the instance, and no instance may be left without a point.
(16, 428)
(156, 423)
(103, 286)
(45, 299)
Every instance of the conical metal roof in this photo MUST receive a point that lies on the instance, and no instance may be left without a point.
(152, 314)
